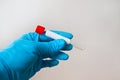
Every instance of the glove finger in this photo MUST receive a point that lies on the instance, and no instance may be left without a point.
(68, 47)
(42, 37)
(49, 49)
(61, 56)
(63, 33)
(49, 63)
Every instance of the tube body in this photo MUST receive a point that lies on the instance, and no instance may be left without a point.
(54, 35)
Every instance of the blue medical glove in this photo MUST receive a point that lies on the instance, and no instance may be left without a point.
(27, 55)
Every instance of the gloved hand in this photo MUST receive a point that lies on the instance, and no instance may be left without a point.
(25, 56)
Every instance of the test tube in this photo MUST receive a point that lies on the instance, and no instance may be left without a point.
(53, 35)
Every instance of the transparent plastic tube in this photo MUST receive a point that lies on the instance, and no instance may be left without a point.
(41, 29)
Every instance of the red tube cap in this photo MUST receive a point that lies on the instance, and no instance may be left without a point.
(40, 29)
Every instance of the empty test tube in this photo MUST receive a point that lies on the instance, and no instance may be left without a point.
(53, 35)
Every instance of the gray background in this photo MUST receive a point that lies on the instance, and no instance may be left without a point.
(95, 25)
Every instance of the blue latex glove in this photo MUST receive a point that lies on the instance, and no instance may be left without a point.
(25, 56)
